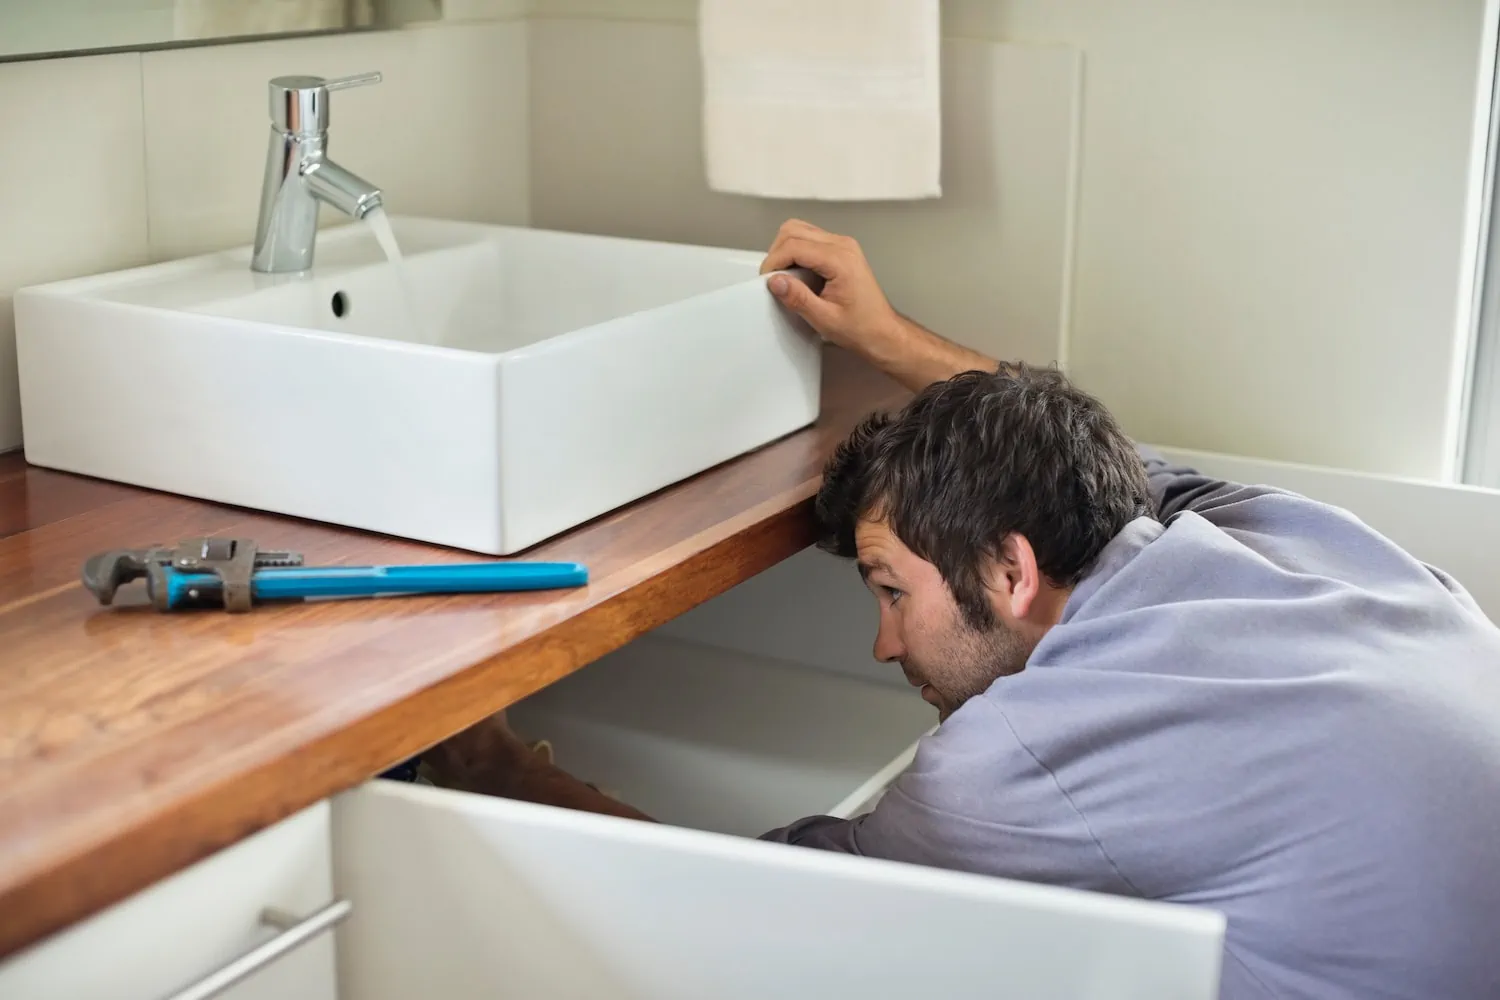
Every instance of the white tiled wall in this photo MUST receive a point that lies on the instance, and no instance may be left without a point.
(112, 161)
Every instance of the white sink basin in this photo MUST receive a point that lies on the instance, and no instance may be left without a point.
(537, 380)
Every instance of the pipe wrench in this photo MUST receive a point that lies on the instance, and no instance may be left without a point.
(235, 574)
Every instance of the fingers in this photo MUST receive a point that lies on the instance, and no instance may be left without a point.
(796, 229)
(777, 253)
(822, 257)
(796, 296)
(805, 230)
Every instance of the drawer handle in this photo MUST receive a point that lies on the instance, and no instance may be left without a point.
(294, 932)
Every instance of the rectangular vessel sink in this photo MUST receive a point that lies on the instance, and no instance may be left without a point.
(517, 383)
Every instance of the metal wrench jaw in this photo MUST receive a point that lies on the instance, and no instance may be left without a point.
(106, 572)
(233, 561)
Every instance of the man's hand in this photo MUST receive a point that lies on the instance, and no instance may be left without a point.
(489, 759)
(852, 311)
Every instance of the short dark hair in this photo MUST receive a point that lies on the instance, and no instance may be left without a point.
(974, 458)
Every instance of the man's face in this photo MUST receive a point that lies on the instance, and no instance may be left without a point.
(922, 629)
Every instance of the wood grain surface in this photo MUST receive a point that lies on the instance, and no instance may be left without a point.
(134, 743)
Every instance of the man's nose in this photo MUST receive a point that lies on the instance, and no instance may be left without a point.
(888, 645)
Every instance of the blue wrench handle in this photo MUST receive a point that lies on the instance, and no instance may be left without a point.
(378, 581)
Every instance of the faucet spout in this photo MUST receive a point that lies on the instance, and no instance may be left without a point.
(348, 192)
(299, 175)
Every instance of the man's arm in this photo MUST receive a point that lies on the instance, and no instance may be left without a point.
(852, 311)
(922, 357)
(976, 799)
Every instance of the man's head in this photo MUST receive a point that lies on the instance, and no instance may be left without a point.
(973, 512)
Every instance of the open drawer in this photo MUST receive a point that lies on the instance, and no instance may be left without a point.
(722, 741)
(466, 897)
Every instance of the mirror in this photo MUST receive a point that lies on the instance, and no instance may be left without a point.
(33, 29)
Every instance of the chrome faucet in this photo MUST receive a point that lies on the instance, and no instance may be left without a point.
(299, 174)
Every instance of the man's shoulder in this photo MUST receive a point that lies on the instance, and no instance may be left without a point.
(1299, 591)
(1251, 543)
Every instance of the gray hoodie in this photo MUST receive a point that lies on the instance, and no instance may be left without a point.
(1256, 704)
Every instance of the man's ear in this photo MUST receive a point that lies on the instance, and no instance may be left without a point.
(1015, 581)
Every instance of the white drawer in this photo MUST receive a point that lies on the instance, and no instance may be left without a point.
(463, 897)
(193, 923)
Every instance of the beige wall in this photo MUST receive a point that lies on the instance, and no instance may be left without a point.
(1270, 208)
(616, 148)
(1260, 253)
(138, 157)
(1272, 217)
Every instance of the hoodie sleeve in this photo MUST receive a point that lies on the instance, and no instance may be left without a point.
(974, 799)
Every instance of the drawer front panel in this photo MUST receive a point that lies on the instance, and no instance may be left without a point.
(189, 925)
(462, 896)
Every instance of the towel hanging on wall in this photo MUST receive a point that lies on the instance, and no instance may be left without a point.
(830, 99)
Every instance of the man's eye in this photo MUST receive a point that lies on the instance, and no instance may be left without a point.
(892, 593)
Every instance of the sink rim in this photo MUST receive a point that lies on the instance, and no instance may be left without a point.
(91, 291)
(81, 286)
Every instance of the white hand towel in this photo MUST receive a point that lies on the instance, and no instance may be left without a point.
(830, 99)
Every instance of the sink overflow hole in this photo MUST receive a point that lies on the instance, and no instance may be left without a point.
(340, 304)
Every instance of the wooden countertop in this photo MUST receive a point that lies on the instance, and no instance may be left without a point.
(134, 743)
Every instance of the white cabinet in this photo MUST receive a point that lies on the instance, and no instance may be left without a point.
(195, 922)
(462, 897)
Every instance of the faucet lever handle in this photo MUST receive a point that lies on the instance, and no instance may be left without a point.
(299, 104)
(357, 80)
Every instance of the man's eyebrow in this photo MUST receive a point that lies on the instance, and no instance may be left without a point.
(866, 568)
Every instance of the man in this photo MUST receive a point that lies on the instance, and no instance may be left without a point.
(1150, 683)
